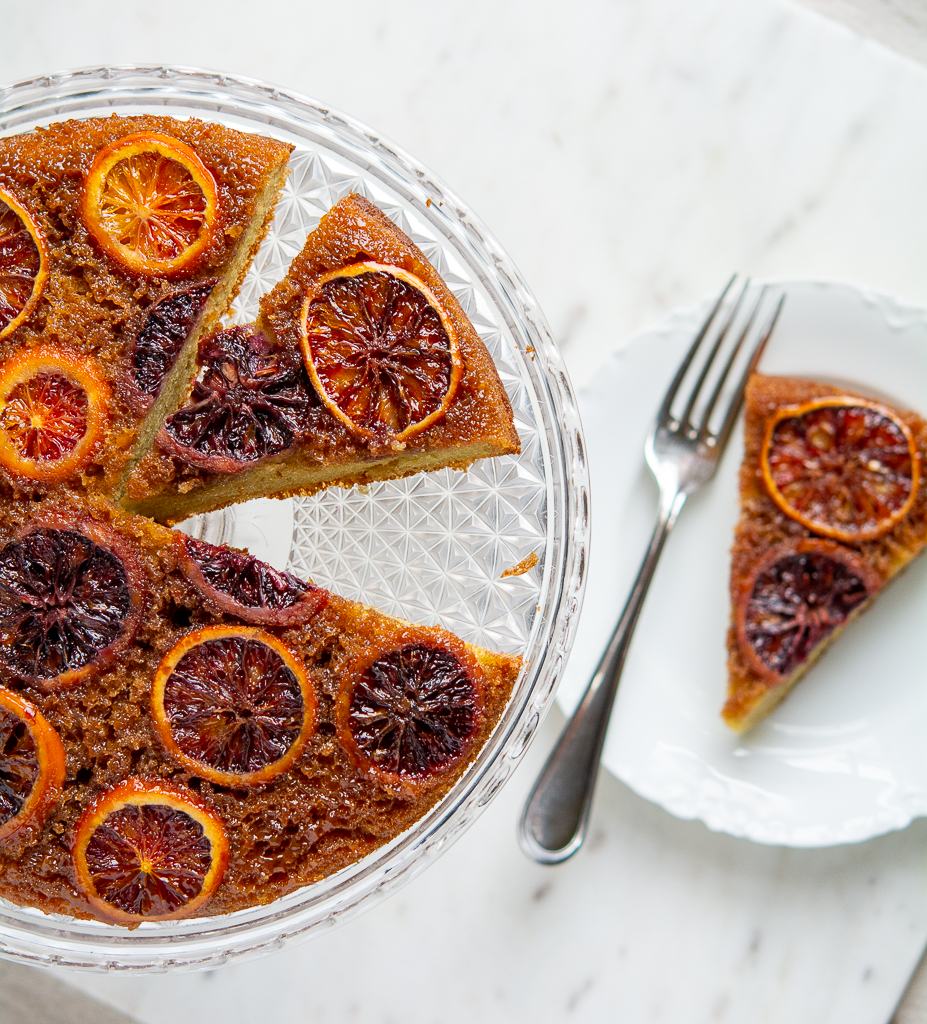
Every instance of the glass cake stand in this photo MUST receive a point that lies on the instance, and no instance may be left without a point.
(431, 548)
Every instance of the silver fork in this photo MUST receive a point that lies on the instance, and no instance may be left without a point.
(682, 452)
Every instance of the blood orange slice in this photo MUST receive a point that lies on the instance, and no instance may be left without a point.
(843, 467)
(147, 850)
(53, 408)
(23, 264)
(411, 706)
(150, 202)
(795, 598)
(161, 335)
(31, 766)
(381, 350)
(248, 588)
(246, 406)
(70, 601)
(233, 705)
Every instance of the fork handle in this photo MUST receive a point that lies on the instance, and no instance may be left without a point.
(556, 815)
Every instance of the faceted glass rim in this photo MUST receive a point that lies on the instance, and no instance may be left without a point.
(34, 937)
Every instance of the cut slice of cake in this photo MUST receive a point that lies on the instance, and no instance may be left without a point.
(833, 505)
(191, 690)
(362, 366)
(128, 238)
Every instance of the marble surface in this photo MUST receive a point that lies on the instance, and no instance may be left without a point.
(901, 24)
(629, 154)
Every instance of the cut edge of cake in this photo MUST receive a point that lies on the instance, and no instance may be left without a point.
(290, 477)
(746, 705)
(179, 379)
(353, 230)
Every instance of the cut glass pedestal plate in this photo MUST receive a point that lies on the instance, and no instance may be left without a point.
(431, 548)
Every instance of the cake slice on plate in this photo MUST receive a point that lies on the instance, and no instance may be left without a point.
(362, 366)
(833, 505)
(123, 240)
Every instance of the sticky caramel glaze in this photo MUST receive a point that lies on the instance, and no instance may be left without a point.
(322, 815)
(763, 524)
(478, 423)
(90, 297)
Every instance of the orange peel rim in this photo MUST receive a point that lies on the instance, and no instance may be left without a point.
(400, 636)
(51, 757)
(41, 277)
(138, 792)
(105, 537)
(173, 149)
(850, 557)
(201, 768)
(354, 270)
(834, 401)
(79, 370)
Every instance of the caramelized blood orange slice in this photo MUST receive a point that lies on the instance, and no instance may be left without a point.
(147, 850)
(233, 705)
(246, 587)
(411, 706)
(795, 598)
(246, 405)
(843, 467)
(70, 601)
(161, 335)
(380, 349)
(53, 407)
(23, 264)
(31, 765)
(150, 202)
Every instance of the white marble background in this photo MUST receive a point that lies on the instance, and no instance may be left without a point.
(629, 154)
(901, 24)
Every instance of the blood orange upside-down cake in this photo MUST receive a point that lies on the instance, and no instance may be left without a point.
(185, 730)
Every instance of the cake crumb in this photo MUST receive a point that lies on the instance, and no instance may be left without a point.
(525, 565)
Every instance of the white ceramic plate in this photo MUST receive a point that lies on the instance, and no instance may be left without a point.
(844, 758)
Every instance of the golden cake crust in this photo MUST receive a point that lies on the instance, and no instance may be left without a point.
(763, 525)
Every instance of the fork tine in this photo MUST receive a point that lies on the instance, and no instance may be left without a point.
(685, 419)
(725, 432)
(704, 433)
(663, 413)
